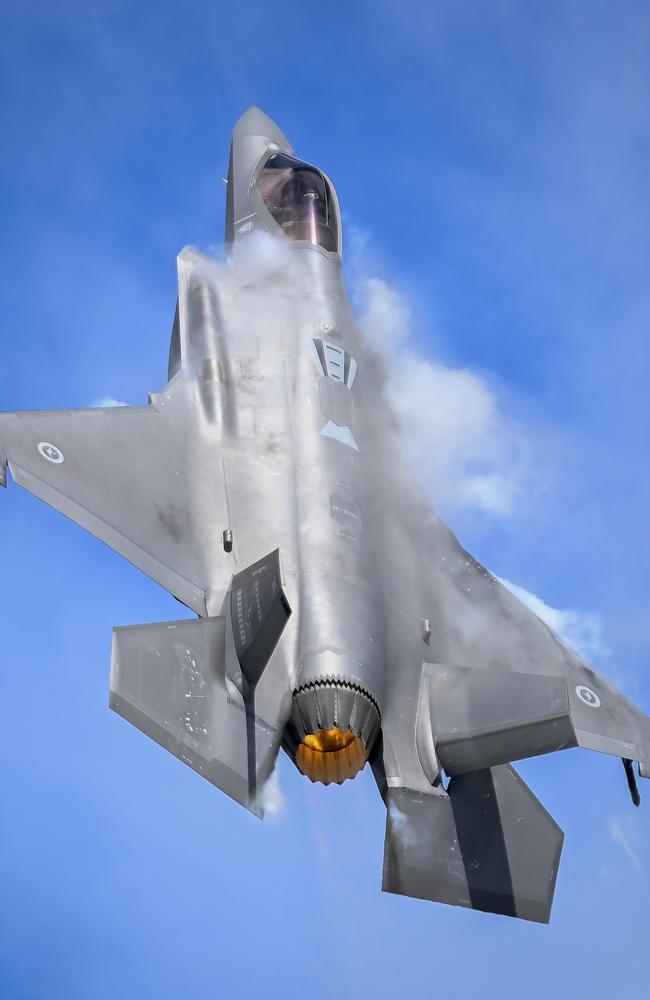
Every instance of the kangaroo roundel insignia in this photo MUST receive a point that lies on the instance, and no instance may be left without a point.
(588, 696)
(50, 452)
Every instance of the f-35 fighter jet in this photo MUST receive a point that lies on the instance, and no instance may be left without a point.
(337, 617)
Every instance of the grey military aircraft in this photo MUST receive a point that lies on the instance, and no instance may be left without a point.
(337, 617)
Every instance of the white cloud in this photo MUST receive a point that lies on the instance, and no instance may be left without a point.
(619, 836)
(581, 630)
(273, 800)
(258, 255)
(464, 451)
(108, 401)
(385, 314)
(403, 828)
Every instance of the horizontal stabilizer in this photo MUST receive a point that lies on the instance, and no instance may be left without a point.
(123, 473)
(169, 680)
(486, 844)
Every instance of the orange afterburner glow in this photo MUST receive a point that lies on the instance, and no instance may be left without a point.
(331, 755)
(329, 740)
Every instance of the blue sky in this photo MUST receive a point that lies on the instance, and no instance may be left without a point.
(493, 163)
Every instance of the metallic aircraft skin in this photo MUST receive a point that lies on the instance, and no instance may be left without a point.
(338, 617)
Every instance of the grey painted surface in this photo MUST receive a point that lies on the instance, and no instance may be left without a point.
(488, 845)
(274, 434)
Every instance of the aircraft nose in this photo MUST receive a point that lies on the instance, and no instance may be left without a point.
(255, 122)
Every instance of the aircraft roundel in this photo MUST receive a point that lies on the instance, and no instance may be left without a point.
(588, 696)
(50, 452)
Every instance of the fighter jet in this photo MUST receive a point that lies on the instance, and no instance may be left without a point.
(336, 616)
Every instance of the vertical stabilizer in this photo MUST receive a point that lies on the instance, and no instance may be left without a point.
(487, 844)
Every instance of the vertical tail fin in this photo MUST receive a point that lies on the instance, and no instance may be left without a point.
(487, 844)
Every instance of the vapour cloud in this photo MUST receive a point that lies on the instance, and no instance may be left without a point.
(463, 450)
(620, 837)
(580, 629)
(273, 800)
(108, 401)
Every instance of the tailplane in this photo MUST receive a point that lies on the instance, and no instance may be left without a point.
(169, 680)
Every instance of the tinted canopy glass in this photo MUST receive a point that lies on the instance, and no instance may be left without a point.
(300, 201)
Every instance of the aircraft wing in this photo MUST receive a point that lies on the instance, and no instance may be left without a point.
(498, 684)
(121, 473)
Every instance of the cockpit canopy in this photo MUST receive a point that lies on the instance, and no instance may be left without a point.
(300, 201)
